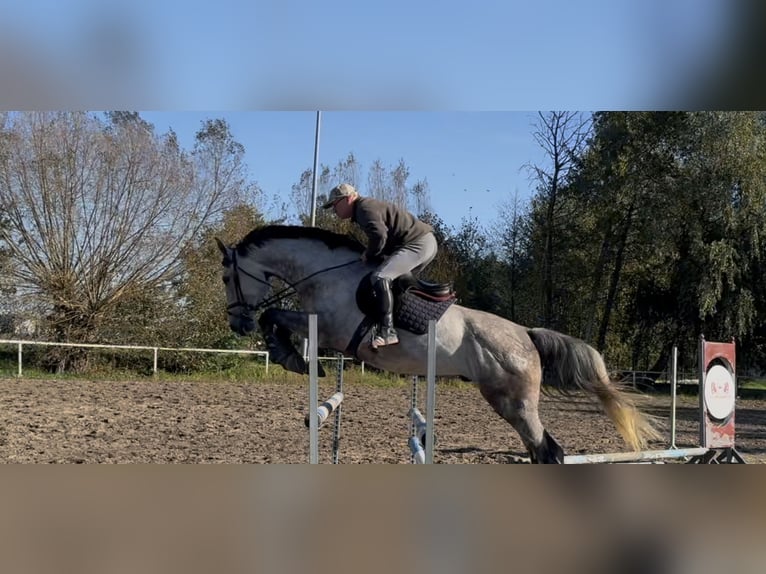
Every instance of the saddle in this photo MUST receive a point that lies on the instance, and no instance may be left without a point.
(415, 302)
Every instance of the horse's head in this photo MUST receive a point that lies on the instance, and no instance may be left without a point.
(246, 286)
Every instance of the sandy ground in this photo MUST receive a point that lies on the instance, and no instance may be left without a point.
(55, 421)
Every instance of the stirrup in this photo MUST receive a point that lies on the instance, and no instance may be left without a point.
(384, 337)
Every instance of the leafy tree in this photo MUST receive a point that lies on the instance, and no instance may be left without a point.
(724, 187)
(199, 315)
(99, 212)
(562, 136)
(670, 205)
(626, 174)
(469, 248)
(442, 268)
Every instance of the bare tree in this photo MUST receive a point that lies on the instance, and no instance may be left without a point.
(399, 177)
(347, 171)
(421, 197)
(391, 185)
(301, 194)
(377, 181)
(509, 234)
(562, 136)
(100, 211)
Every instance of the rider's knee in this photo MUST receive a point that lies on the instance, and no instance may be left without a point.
(377, 276)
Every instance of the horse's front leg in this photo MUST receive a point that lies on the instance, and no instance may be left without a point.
(277, 325)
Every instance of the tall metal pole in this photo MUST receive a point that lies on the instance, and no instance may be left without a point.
(314, 195)
(314, 182)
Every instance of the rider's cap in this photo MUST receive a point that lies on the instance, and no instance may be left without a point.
(338, 192)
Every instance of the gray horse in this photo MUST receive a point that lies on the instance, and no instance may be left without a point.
(507, 361)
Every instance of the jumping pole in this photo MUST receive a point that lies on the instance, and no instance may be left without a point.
(313, 391)
(332, 406)
(421, 441)
(417, 427)
(318, 414)
(431, 391)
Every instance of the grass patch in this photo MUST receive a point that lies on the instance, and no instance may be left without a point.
(755, 384)
(237, 371)
(129, 365)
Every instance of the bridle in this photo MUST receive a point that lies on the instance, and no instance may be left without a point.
(277, 297)
(241, 302)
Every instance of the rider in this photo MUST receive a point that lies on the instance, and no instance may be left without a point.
(408, 243)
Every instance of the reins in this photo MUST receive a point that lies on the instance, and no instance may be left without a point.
(277, 297)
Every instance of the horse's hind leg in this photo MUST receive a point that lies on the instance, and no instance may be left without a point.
(517, 401)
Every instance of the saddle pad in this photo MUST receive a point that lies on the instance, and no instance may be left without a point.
(413, 313)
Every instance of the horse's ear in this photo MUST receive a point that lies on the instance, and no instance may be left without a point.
(222, 247)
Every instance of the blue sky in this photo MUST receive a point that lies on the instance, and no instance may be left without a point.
(343, 54)
(473, 161)
(352, 59)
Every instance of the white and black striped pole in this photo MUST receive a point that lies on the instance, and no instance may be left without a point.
(417, 427)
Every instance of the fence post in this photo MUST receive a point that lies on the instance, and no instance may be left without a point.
(19, 375)
(673, 383)
(154, 366)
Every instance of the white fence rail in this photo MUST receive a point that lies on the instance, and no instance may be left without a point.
(21, 343)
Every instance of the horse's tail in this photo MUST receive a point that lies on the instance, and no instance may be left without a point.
(568, 361)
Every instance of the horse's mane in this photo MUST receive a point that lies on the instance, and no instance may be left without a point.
(260, 235)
